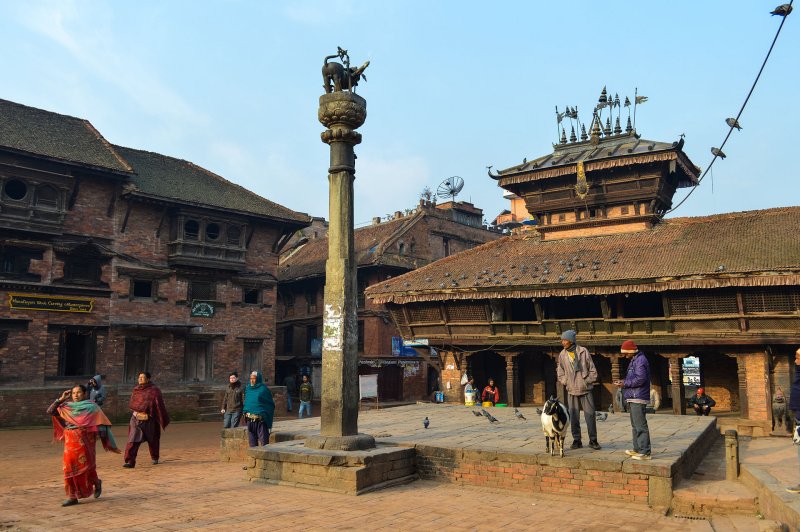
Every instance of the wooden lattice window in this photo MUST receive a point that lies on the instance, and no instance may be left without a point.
(466, 311)
(399, 317)
(425, 313)
(775, 301)
(703, 303)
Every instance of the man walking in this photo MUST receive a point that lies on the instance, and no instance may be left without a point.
(259, 409)
(148, 418)
(306, 395)
(232, 403)
(636, 391)
(576, 371)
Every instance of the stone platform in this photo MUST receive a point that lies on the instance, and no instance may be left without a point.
(461, 448)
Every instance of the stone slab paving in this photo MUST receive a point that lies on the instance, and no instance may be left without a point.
(192, 490)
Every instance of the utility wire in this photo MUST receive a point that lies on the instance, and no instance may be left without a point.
(730, 131)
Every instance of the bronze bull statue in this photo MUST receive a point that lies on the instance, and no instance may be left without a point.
(337, 77)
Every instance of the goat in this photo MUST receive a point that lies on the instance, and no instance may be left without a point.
(555, 420)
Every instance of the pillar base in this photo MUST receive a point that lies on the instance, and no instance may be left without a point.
(359, 442)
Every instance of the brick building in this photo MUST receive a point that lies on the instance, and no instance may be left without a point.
(116, 261)
(383, 250)
(721, 292)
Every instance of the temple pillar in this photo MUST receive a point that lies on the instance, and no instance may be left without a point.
(741, 373)
(512, 379)
(676, 377)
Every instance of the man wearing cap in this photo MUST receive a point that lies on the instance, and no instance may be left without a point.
(576, 371)
(636, 391)
(701, 402)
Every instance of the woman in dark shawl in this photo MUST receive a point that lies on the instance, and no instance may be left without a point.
(259, 409)
(148, 417)
(78, 423)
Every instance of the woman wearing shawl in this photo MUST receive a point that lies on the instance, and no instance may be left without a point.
(259, 408)
(78, 423)
(148, 417)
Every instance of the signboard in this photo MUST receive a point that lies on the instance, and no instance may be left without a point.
(202, 309)
(397, 345)
(416, 341)
(367, 386)
(50, 303)
(316, 347)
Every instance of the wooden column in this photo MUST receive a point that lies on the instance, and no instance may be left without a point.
(741, 372)
(512, 384)
(615, 372)
(676, 376)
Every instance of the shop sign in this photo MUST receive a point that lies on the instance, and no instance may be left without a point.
(202, 309)
(50, 303)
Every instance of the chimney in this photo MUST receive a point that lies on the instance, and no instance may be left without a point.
(397, 215)
(376, 220)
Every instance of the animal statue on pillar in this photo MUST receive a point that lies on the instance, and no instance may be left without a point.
(337, 77)
(555, 420)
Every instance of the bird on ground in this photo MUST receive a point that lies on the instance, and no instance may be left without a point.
(476, 413)
(426, 422)
(538, 411)
(782, 10)
(602, 416)
(484, 413)
(519, 414)
(732, 122)
(718, 152)
(491, 418)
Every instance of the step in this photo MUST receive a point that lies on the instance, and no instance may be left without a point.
(706, 498)
(210, 416)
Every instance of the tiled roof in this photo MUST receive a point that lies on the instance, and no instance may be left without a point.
(66, 138)
(175, 179)
(735, 249)
(617, 150)
(309, 259)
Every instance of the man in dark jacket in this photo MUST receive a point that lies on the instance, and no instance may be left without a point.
(636, 393)
(794, 406)
(232, 402)
(702, 403)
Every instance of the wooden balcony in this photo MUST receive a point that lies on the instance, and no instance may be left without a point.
(204, 254)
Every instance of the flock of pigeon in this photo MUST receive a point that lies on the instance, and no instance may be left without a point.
(601, 416)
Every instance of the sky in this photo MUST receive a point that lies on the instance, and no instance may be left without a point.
(453, 86)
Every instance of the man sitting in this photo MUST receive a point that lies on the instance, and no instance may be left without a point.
(701, 403)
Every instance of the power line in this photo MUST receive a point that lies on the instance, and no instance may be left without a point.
(730, 131)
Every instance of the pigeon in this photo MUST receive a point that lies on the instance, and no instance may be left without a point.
(491, 418)
(478, 414)
(601, 416)
(426, 422)
(718, 152)
(782, 10)
(538, 411)
(485, 413)
(732, 122)
(611, 408)
(519, 415)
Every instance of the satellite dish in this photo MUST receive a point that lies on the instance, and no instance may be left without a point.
(450, 187)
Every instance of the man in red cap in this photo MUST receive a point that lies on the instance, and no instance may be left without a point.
(701, 402)
(636, 392)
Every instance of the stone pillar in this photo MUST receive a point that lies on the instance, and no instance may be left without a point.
(676, 376)
(512, 384)
(616, 375)
(341, 112)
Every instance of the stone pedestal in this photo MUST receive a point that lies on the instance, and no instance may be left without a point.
(352, 472)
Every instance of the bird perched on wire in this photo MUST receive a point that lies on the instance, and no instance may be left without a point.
(782, 10)
(476, 413)
(519, 415)
(426, 422)
(732, 122)
(601, 416)
(718, 152)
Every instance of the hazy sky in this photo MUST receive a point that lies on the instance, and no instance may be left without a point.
(453, 86)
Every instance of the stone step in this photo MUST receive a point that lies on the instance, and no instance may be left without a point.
(716, 497)
(210, 416)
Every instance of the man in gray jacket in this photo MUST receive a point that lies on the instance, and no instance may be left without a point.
(576, 371)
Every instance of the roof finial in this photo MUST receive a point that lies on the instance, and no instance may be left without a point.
(563, 136)
(603, 96)
(617, 127)
(607, 129)
(584, 136)
(572, 137)
(628, 127)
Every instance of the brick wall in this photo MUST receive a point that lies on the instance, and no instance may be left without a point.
(720, 380)
(759, 399)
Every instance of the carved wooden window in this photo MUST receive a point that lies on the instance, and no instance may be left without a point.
(288, 305)
(143, 288)
(446, 246)
(212, 231)
(202, 290)
(191, 230)
(251, 357)
(251, 296)
(703, 303)
(311, 335)
(361, 300)
(76, 352)
(425, 313)
(311, 302)
(771, 301)
(82, 270)
(15, 189)
(234, 235)
(288, 340)
(397, 314)
(47, 196)
(15, 262)
(466, 311)
(137, 355)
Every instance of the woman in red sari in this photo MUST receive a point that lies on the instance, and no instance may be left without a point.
(79, 423)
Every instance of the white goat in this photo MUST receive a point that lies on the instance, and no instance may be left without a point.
(555, 420)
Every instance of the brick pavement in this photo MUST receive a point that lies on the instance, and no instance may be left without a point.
(192, 490)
